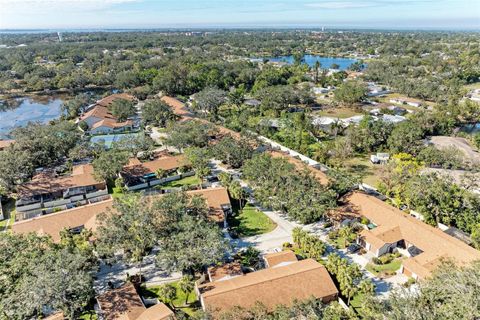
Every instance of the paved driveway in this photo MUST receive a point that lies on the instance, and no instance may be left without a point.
(117, 274)
(268, 242)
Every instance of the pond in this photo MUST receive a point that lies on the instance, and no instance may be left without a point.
(326, 62)
(20, 111)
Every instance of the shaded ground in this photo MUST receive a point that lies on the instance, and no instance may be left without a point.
(9, 214)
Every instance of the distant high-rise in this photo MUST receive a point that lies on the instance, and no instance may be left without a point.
(59, 34)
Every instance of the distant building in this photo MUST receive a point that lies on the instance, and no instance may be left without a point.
(380, 158)
(407, 101)
(375, 90)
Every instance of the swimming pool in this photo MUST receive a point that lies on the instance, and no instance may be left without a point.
(109, 139)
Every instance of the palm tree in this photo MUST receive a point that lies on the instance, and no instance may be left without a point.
(167, 294)
(366, 287)
(237, 192)
(160, 173)
(345, 233)
(225, 178)
(317, 67)
(201, 173)
(186, 284)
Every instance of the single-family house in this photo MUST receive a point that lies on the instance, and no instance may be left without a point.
(140, 175)
(392, 229)
(396, 110)
(375, 90)
(48, 192)
(282, 283)
(125, 303)
(392, 119)
(380, 158)
(75, 220)
(408, 101)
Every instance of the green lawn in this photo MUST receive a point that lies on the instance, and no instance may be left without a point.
(187, 181)
(179, 302)
(389, 267)
(9, 213)
(88, 315)
(250, 221)
(338, 113)
(363, 167)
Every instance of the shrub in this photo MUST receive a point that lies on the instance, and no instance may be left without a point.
(333, 235)
(387, 258)
(287, 245)
(83, 125)
(364, 221)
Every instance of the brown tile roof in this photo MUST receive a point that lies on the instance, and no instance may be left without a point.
(101, 111)
(393, 225)
(98, 112)
(158, 312)
(215, 198)
(136, 168)
(273, 286)
(55, 316)
(111, 123)
(5, 143)
(180, 110)
(124, 303)
(273, 259)
(107, 101)
(225, 271)
(300, 165)
(52, 224)
(177, 106)
(48, 182)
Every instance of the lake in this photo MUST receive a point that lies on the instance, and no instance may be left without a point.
(309, 59)
(19, 112)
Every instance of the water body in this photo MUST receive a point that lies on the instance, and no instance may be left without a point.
(19, 112)
(326, 62)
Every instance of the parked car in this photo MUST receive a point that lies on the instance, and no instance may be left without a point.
(353, 248)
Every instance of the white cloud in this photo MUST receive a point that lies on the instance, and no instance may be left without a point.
(340, 5)
(17, 5)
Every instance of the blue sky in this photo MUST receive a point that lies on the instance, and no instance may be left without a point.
(403, 14)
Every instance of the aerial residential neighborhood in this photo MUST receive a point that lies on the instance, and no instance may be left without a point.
(281, 165)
